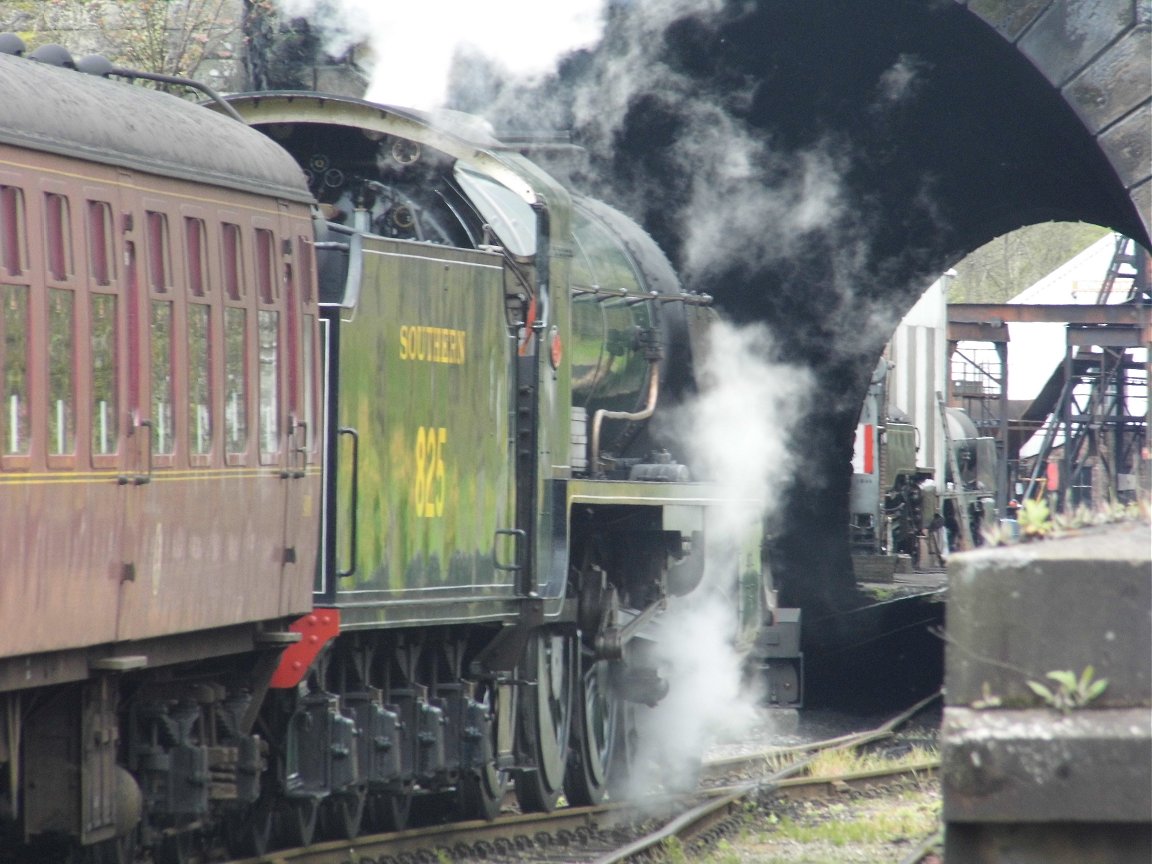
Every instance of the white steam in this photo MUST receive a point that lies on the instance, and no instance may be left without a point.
(411, 47)
(739, 425)
(900, 79)
(740, 419)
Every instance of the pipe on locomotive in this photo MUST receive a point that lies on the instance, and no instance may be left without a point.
(647, 411)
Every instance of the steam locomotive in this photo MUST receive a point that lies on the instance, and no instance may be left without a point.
(331, 473)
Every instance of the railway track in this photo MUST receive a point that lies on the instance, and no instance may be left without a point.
(624, 832)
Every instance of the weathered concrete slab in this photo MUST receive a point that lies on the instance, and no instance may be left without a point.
(1049, 844)
(1024, 782)
(1039, 765)
(1016, 613)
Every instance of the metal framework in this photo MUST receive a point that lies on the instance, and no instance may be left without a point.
(1094, 411)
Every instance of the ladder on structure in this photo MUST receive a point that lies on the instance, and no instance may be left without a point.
(958, 493)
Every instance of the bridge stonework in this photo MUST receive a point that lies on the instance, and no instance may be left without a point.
(1098, 54)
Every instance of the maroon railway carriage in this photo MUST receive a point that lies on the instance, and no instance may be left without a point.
(159, 463)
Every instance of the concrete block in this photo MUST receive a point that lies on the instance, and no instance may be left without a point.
(1025, 783)
(1115, 83)
(1070, 33)
(1016, 613)
(1038, 765)
(1096, 843)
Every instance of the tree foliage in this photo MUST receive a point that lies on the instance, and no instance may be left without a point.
(1001, 269)
(170, 37)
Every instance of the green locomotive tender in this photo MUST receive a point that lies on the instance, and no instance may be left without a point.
(504, 524)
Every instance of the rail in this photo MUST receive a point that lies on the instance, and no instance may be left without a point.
(612, 833)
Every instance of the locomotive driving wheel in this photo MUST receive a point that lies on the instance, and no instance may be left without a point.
(388, 811)
(481, 789)
(342, 814)
(596, 723)
(545, 720)
(250, 831)
(598, 712)
(296, 821)
(177, 848)
(120, 850)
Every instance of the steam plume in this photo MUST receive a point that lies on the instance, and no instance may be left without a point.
(412, 46)
(738, 425)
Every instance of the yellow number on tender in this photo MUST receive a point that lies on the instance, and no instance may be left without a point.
(429, 491)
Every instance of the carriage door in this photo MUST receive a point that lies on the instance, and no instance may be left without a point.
(284, 432)
(131, 420)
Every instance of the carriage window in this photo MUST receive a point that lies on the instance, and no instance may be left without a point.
(233, 261)
(105, 414)
(14, 369)
(61, 390)
(13, 239)
(58, 231)
(199, 378)
(265, 265)
(269, 348)
(162, 399)
(197, 256)
(101, 261)
(235, 380)
(159, 257)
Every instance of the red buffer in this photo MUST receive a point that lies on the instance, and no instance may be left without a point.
(317, 629)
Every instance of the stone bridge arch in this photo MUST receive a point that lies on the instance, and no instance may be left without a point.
(1098, 55)
(948, 123)
(1011, 112)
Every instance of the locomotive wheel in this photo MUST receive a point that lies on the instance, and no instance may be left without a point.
(120, 850)
(342, 815)
(623, 755)
(595, 724)
(250, 832)
(481, 790)
(545, 720)
(297, 821)
(176, 848)
(388, 811)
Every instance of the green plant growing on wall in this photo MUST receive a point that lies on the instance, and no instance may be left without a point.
(1035, 518)
(1071, 691)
